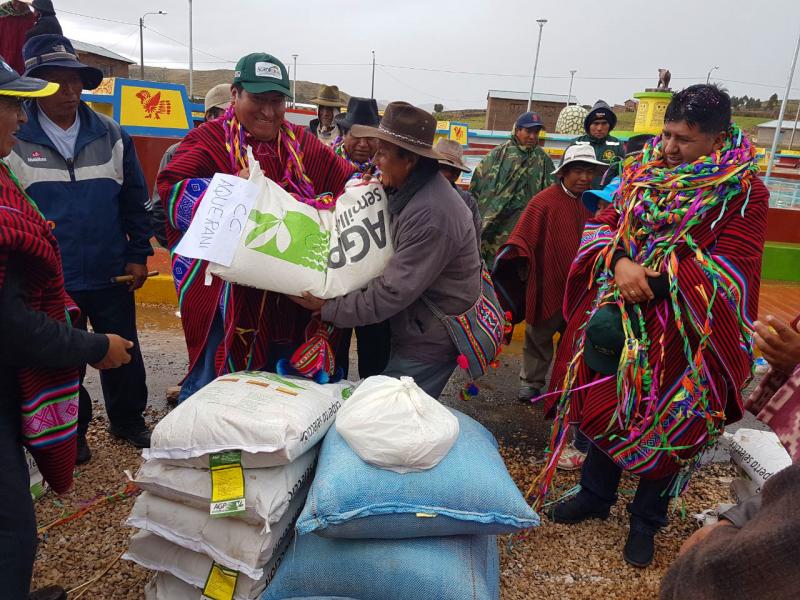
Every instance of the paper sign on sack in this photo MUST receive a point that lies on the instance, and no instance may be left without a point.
(219, 222)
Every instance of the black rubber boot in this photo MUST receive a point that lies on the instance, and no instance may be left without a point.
(576, 511)
(84, 452)
(51, 592)
(138, 437)
(639, 549)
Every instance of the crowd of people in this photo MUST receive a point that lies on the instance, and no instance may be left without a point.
(643, 257)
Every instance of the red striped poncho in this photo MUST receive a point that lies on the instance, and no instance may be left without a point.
(49, 403)
(546, 237)
(252, 318)
(735, 241)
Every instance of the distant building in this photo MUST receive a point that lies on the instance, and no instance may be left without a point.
(110, 63)
(503, 108)
(631, 105)
(765, 132)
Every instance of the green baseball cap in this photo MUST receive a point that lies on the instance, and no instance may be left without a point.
(605, 339)
(258, 73)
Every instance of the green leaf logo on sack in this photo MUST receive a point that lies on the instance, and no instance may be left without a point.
(293, 237)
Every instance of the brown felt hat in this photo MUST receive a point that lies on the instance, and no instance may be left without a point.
(452, 154)
(328, 95)
(406, 126)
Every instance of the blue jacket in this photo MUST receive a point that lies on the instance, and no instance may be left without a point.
(97, 203)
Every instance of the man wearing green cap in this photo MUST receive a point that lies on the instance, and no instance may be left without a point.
(230, 327)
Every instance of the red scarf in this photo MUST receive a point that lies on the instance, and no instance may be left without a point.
(49, 397)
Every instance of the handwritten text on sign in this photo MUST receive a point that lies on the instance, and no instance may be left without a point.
(219, 221)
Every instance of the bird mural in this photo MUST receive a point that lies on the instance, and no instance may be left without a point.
(153, 105)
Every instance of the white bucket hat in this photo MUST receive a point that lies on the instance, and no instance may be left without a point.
(579, 153)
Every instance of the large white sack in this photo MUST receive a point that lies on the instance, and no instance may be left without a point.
(230, 542)
(191, 569)
(268, 492)
(758, 454)
(168, 587)
(290, 247)
(392, 423)
(272, 419)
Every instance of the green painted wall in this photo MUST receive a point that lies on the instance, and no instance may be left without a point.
(781, 262)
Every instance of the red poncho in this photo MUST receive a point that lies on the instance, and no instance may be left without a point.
(253, 318)
(13, 27)
(545, 239)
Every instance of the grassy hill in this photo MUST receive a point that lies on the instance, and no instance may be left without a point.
(205, 80)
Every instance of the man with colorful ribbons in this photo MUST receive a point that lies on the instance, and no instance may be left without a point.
(40, 354)
(660, 303)
(230, 327)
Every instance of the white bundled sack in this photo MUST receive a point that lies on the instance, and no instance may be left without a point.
(393, 424)
(272, 419)
(230, 542)
(191, 569)
(290, 247)
(759, 455)
(268, 492)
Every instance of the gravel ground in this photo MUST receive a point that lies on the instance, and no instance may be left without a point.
(554, 561)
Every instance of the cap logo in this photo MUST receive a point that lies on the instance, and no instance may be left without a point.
(268, 69)
(237, 73)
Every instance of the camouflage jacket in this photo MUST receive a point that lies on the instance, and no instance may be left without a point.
(503, 183)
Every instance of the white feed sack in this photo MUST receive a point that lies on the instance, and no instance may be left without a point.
(230, 542)
(393, 424)
(759, 455)
(290, 247)
(272, 419)
(268, 492)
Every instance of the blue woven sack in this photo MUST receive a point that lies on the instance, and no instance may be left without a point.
(468, 492)
(443, 568)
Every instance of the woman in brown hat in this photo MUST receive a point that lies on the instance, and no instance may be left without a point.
(435, 253)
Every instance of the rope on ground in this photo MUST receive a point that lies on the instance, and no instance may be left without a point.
(86, 585)
(128, 491)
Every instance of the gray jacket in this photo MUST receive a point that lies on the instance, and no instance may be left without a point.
(436, 255)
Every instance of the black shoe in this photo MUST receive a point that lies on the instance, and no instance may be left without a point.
(138, 437)
(526, 393)
(51, 592)
(84, 453)
(576, 511)
(639, 549)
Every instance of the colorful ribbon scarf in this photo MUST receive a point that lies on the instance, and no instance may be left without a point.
(287, 148)
(658, 207)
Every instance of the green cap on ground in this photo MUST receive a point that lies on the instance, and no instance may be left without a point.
(258, 73)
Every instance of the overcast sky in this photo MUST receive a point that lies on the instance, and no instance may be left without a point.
(616, 46)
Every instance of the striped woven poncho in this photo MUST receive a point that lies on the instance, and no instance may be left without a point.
(49, 397)
(252, 319)
(703, 224)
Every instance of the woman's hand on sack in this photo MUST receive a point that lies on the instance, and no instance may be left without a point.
(245, 173)
(631, 279)
(309, 302)
(117, 353)
(779, 344)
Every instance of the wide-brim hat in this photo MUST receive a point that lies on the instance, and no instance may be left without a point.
(406, 126)
(328, 95)
(13, 84)
(360, 111)
(605, 339)
(452, 155)
(583, 153)
(53, 50)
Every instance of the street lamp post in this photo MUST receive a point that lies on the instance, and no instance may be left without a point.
(782, 112)
(372, 92)
(571, 77)
(541, 23)
(711, 70)
(294, 82)
(191, 54)
(141, 40)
